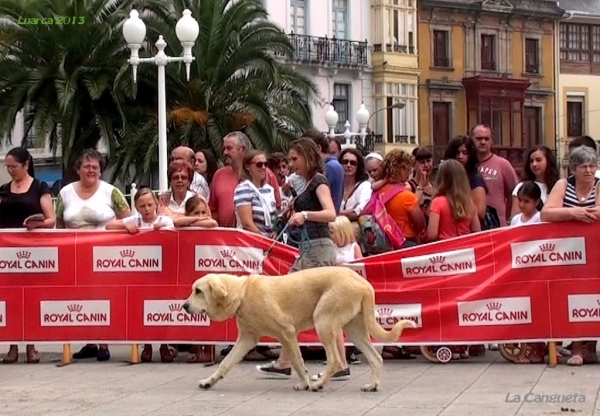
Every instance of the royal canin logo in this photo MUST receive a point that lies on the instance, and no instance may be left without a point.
(29, 260)
(584, 308)
(389, 315)
(226, 259)
(502, 311)
(442, 264)
(126, 259)
(165, 312)
(549, 253)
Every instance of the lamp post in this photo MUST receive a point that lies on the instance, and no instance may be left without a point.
(362, 116)
(134, 32)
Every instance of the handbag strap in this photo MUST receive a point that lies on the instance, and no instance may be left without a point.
(351, 193)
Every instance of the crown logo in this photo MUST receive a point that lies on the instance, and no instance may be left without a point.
(228, 254)
(494, 306)
(547, 247)
(23, 254)
(175, 307)
(385, 312)
(127, 253)
(598, 302)
(437, 259)
(75, 307)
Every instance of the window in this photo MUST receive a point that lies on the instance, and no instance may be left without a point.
(340, 13)
(532, 56)
(341, 94)
(532, 124)
(575, 116)
(401, 19)
(488, 52)
(441, 48)
(579, 43)
(493, 117)
(440, 121)
(298, 17)
(400, 124)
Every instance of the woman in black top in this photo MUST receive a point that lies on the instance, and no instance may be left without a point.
(313, 211)
(21, 198)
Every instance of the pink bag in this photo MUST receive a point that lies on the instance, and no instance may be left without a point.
(379, 232)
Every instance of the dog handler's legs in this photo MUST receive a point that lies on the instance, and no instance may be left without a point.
(245, 342)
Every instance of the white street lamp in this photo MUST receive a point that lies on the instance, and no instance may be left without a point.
(134, 32)
(362, 116)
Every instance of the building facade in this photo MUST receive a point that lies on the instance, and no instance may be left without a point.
(331, 42)
(578, 60)
(47, 168)
(488, 62)
(395, 74)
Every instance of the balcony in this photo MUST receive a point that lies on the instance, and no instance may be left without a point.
(315, 50)
(406, 49)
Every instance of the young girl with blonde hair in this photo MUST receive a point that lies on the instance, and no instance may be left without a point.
(452, 212)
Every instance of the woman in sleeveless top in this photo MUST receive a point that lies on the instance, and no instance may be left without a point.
(576, 199)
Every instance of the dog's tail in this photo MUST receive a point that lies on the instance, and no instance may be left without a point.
(376, 330)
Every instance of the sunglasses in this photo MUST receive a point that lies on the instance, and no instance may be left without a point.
(179, 178)
(259, 165)
(349, 162)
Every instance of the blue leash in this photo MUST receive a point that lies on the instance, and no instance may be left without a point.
(304, 239)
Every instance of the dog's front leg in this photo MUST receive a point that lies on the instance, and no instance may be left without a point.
(244, 343)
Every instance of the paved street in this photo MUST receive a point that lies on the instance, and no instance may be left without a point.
(477, 386)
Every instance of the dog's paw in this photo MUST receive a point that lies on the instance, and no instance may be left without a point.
(300, 386)
(369, 387)
(205, 384)
(315, 387)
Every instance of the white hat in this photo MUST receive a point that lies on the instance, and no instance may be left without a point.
(374, 155)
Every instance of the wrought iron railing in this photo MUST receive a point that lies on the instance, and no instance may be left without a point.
(318, 50)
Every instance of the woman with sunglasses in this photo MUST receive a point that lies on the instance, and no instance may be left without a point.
(357, 189)
(254, 198)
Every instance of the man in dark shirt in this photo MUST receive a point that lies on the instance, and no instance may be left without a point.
(333, 169)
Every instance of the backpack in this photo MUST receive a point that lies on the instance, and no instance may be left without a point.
(378, 231)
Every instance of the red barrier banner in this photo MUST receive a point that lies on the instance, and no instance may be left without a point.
(536, 282)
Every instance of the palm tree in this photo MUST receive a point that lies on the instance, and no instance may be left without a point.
(238, 82)
(68, 77)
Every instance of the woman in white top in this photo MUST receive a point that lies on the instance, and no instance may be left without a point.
(254, 198)
(172, 203)
(90, 203)
(357, 188)
(541, 168)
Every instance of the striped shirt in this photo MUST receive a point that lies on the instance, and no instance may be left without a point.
(244, 195)
(571, 195)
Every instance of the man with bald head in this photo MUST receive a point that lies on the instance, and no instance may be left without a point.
(222, 188)
(199, 184)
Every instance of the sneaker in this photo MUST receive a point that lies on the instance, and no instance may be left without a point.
(353, 359)
(271, 370)
(341, 375)
(88, 351)
(493, 347)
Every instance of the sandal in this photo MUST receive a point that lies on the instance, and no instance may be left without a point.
(12, 356)
(532, 355)
(167, 353)
(32, 355)
(575, 360)
(146, 355)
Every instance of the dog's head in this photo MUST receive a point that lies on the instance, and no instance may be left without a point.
(217, 295)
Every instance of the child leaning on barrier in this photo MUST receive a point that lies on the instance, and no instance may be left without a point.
(146, 204)
(530, 202)
(197, 214)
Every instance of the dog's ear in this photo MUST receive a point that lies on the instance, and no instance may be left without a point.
(218, 289)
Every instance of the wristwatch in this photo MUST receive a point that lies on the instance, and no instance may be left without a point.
(305, 215)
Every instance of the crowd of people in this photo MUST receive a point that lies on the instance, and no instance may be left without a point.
(315, 198)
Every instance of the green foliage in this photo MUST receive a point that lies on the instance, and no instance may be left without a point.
(238, 82)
